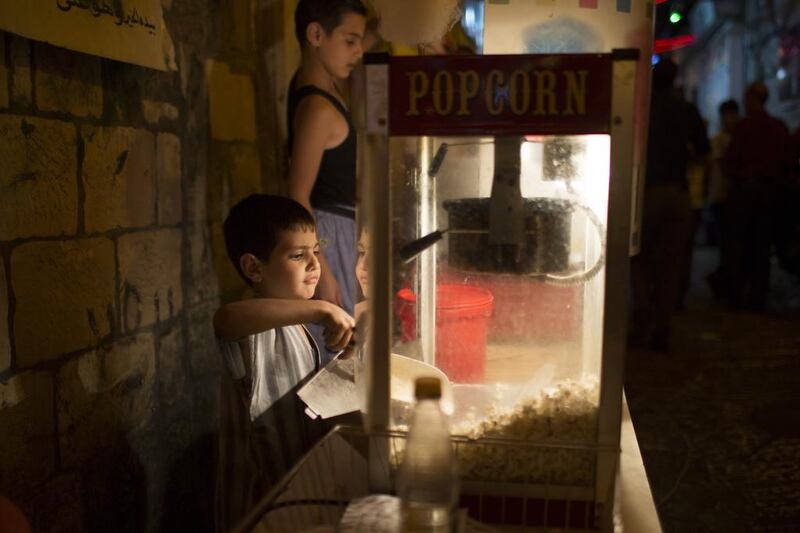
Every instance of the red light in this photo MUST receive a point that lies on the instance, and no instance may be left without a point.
(673, 43)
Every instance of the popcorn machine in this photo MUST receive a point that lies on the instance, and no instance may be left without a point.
(497, 206)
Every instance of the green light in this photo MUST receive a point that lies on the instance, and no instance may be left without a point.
(675, 17)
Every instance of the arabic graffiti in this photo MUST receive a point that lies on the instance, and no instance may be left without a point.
(98, 8)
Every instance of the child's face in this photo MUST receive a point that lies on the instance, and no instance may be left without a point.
(361, 263)
(340, 50)
(292, 271)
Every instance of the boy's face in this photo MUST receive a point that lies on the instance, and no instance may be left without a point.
(361, 263)
(340, 50)
(292, 271)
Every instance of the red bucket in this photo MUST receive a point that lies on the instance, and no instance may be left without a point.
(462, 320)
(526, 309)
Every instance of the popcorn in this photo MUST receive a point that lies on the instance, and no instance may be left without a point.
(566, 412)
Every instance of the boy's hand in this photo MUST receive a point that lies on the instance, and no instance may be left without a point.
(348, 352)
(338, 326)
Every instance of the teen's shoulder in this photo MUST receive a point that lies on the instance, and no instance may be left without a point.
(316, 103)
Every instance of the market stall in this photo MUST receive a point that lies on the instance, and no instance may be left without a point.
(497, 215)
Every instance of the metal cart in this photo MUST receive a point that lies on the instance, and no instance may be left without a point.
(316, 492)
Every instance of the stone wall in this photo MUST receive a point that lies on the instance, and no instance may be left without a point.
(114, 180)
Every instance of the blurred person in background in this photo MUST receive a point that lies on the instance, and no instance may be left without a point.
(758, 159)
(676, 133)
(697, 171)
(786, 229)
(718, 185)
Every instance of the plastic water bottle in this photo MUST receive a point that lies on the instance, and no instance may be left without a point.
(428, 478)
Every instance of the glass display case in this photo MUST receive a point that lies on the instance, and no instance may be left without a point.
(496, 216)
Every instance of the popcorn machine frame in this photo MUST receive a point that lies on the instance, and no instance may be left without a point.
(318, 490)
(479, 96)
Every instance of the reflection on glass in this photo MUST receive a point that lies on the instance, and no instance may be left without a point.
(510, 299)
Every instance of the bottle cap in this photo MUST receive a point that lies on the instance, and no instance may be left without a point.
(427, 388)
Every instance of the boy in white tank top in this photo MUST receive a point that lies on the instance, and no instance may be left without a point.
(267, 353)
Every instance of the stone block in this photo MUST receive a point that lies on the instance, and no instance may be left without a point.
(150, 277)
(195, 169)
(3, 73)
(176, 427)
(21, 84)
(234, 173)
(197, 197)
(168, 153)
(27, 446)
(237, 22)
(273, 163)
(124, 87)
(155, 111)
(245, 172)
(5, 344)
(116, 484)
(151, 451)
(204, 279)
(218, 194)
(56, 505)
(38, 178)
(189, 503)
(231, 285)
(67, 81)
(194, 31)
(122, 470)
(206, 407)
(204, 356)
(104, 395)
(65, 297)
(119, 172)
(232, 109)
(173, 374)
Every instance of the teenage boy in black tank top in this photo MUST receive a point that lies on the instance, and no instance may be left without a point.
(322, 142)
(335, 185)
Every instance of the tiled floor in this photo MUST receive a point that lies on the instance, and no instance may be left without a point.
(718, 417)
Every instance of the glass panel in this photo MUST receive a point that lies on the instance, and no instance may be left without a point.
(510, 300)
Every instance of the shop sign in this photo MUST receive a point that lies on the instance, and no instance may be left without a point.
(500, 94)
(131, 31)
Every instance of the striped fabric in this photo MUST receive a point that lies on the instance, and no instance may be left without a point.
(337, 236)
(263, 428)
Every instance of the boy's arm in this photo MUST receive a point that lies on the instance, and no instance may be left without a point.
(237, 320)
(312, 126)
